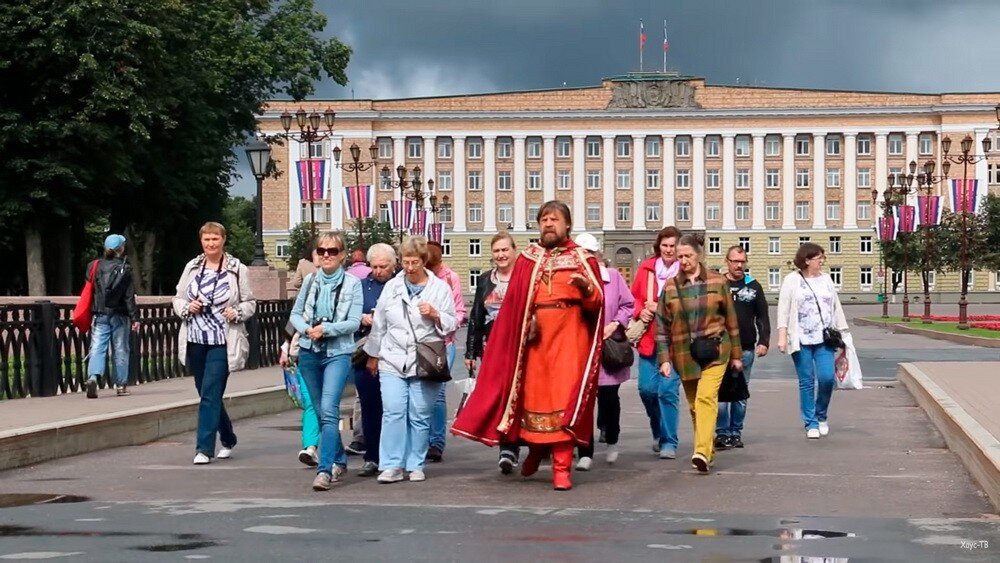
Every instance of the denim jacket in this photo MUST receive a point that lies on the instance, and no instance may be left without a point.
(339, 332)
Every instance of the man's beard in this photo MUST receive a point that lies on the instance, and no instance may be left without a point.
(551, 240)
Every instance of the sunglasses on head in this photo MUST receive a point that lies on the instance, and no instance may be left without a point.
(331, 251)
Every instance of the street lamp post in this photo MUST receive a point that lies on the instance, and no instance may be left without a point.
(926, 182)
(886, 212)
(899, 186)
(411, 187)
(357, 166)
(310, 132)
(259, 155)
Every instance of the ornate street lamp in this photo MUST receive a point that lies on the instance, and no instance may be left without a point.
(309, 132)
(886, 212)
(357, 166)
(411, 187)
(899, 186)
(259, 155)
(929, 211)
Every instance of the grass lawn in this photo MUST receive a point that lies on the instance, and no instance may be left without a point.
(940, 326)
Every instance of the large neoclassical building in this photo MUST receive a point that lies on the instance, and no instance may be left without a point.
(766, 168)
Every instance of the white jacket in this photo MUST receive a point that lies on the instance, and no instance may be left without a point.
(788, 309)
(391, 340)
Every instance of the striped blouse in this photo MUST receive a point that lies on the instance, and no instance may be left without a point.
(209, 326)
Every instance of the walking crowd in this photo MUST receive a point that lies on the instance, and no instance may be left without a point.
(553, 332)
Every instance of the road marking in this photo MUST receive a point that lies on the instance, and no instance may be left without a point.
(41, 554)
(90, 520)
(666, 546)
(278, 530)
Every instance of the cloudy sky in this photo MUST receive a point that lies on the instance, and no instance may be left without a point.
(405, 48)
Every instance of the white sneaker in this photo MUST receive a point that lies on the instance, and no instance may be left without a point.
(824, 428)
(584, 464)
(812, 434)
(338, 473)
(225, 453)
(417, 476)
(656, 445)
(202, 459)
(390, 476)
(309, 457)
(612, 455)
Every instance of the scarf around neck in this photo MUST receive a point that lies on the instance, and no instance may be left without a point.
(328, 283)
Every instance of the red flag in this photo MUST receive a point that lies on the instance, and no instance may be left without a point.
(642, 37)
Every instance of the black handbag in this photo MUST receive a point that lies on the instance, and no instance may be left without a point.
(734, 386)
(617, 351)
(831, 336)
(359, 358)
(432, 356)
(704, 349)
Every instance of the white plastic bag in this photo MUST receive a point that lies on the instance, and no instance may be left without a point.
(465, 387)
(848, 368)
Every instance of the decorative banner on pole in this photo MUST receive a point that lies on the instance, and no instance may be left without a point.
(400, 214)
(435, 232)
(906, 218)
(887, 229)
(314, 170)
(360, 201)
(930, 210)
(964, 200)
(420, 223)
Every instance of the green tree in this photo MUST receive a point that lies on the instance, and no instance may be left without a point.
(375, 231)
(240, 235)
(299, 238)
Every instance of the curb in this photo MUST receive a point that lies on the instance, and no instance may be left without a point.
(936, 335)
(978, 450)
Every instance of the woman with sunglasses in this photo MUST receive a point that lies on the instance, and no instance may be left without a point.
(326, 313)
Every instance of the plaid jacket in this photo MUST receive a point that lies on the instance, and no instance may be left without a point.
(710, 312)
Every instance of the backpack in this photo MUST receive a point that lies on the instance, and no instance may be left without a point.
(116, 284)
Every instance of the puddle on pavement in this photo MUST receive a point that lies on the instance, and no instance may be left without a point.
(12, 500)
(25, 531)
(169, 547)
(783, 533)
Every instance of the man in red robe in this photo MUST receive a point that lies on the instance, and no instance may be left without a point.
(538, 378)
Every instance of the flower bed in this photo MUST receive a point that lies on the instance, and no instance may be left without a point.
(987, 322)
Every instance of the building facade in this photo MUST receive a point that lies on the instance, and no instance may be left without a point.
(764, 168)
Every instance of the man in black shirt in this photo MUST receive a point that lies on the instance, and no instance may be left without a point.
(755, 334)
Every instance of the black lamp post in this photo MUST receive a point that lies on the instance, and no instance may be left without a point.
(309, 133)
(899, 186)
(412, 188)
(886, 212)
(357, 166)
(926, 181)
(259, 155)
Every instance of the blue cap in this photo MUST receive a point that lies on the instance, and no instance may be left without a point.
(114, 242)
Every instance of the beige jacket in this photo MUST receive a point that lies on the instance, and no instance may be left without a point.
(788, 310)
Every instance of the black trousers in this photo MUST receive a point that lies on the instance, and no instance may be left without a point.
(609, 413)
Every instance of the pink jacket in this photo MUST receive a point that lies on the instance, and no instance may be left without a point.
(449, 276)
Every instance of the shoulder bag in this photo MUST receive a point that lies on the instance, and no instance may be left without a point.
(617, 352)
(637, 327)
(83, 313)
(432, 357)
(831, 336)
(704, 349)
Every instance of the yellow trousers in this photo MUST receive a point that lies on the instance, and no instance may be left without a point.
(703, 401)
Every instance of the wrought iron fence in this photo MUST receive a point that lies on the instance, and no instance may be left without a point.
(42, 353)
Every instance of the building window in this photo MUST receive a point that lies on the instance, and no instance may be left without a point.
(712, 178)
(742, 210)
(895, 144)
(593, 148)
(932, 279)
(745, 244)
(771, 211)
(803, 240)
(593, 213)
(444, 215)
(772, 145)
(446, 247)
(474, 274)
(833, 145)
(652, 179)
(503, 149)
(773, 178)
(773, 278)
(315, 150)
(801, 177)
(383, 212)
(712, 146)
(503, 181)
(281, 249)
(534, 180)
(993, 173)
(562, 179)
(505, 214)
(415, 148)
(802, 146)
(864, 210)
(834, 245)
(534, 148)
(774, 245)
(683, 179)
(837, 277)
(743, 178)
(320, 211)
(475, 213)
(682, 146)
(832, 210)
(714, 245)
(475, 247)
(866, 278)
(624, 211)
(801, 210)
(683, 211)
(563, 147)
(444, 148)
(623, 179)
(623, 147)
(444, 181)
(742, 146)
(712, 212)
(864, 145)
(593, 179)
(475, 181)
(385, 148)
(864, 177)
(865, 245)
(653, 212)
(533, 213)
(652, 147)
(926, 144)
(475, 148)
(833, 177)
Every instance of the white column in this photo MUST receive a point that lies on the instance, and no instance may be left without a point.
(669, 178)
(881, 167)
(819, 181)
(698, 183)
(579, 182)
(520, 207)
(982, 169)
(549, 167)
(294, 195)
(398, 155)
(608, 182)
(458, 207)
(850, 181)
(639, 182)
(728, 182)
(489, 184)
(912, 147)
(788, 181)
(757, 182)
(430, 156)
(335, 187)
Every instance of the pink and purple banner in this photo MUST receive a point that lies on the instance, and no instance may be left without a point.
(887, 229)
(359, 201)
(930, 210)
(401, 214)
(906, 218)
(420, 223)
(964, 198)
(435, 232)
(312, 173)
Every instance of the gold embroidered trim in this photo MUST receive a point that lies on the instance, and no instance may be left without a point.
(542, 421)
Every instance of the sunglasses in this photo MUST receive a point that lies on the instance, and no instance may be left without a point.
(331, 251)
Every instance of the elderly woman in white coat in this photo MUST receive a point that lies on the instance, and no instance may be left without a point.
(807, 304)
(414, 306)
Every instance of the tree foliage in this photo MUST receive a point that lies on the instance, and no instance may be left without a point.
(299, 238)
(239, 218)
(375, 231)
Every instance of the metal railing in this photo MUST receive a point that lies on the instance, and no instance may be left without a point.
(43, 354)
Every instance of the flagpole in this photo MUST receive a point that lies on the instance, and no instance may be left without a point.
(640, 45)
(664, 46)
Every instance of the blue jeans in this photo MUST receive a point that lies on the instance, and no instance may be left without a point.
(370, 397)
(109, 330)
(732, 415)
(407, 404)
(310, 420)
(210, 368)
(814, 366)
(439, 420)
(325, 377)
(660, 396)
